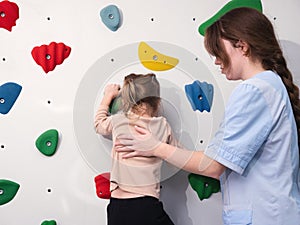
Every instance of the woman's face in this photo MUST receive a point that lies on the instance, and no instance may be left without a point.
(234, 71)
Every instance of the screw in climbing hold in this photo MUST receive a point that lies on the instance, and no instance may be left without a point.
(111, 16)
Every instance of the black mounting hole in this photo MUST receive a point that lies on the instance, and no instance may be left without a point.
(49, 102)
(49, 190)
(112, 60)
(194, 19)
(201, 141)
(275, 18)
(3, 59)
(152, 19)
(48, 18)
(2, 146)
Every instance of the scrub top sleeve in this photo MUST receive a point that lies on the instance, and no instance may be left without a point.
(246, 125)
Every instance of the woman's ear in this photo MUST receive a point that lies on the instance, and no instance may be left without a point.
(243, 46)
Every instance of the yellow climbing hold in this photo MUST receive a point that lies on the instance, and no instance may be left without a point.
(153, 60)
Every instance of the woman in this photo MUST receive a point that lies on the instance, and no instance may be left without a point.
(255, 152)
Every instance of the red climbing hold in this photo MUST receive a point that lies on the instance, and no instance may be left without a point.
(102, 182)
(9, 13)
(48, 56)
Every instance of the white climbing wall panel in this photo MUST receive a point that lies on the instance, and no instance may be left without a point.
(61, 187)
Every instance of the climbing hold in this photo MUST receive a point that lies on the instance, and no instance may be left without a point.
(115, 105)
(110, 16)
(200, 95)
(9, 13)
(49, 222)
(153, 60)
(204, 186)
(8, 190)
(47, 142)
(9, 92)
(256, 4)
(102, 182)
(48, 56)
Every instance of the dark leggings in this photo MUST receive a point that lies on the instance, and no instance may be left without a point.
(137, 211)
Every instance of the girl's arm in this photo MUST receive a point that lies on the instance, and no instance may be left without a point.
(110, 92)
(102, 121)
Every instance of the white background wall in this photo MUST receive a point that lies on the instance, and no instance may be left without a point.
(61, 187)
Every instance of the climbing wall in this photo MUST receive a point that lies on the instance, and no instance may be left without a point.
(55, 59)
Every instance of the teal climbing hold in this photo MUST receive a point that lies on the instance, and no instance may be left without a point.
(49, 222)
(204, 186)
(8, 190)
(110, 16)
(200, 95)
(47, 142)
(9, 92)
(256, 4)
(115, 105)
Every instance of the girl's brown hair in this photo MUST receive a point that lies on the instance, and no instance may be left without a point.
(138, 89)
(255, 29)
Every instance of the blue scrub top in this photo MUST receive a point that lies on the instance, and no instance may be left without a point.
(257, 142)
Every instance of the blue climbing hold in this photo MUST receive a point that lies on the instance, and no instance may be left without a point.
(9, 93)
(110, 16)
(200, 95)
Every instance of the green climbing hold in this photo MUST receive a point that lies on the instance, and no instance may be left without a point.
(49, 222)
(256, 4)
(47, 142)
(115, 105)
(204, 186)
(8, 190)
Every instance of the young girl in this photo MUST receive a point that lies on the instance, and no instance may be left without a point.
(135, 183)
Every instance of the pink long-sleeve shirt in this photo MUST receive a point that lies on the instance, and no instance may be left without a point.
(139, 175)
